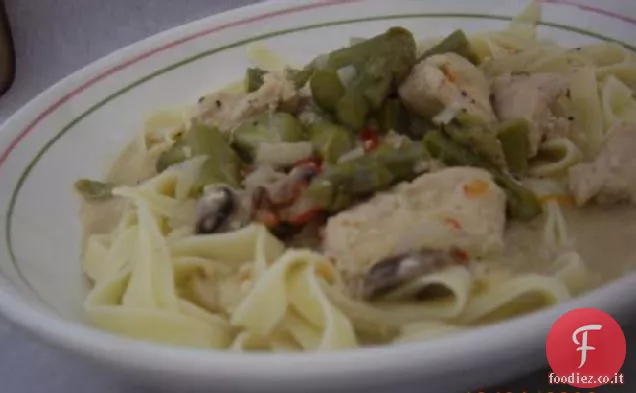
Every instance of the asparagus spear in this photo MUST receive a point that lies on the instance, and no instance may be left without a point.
(268, 128)
(218, 170)
(382, 62)
(93, 190)
(376, 81)
(418, 126)
(330, 140)
(522, 203)
(396, 43)
(403, 161)
(352, 110)
(456, 42)
(482, 140)
(513, 135)
(254, 78)
(326, 89)
(504, 145)
(367, 92)
(222, 165)
(299, 77)
(340, 185)
(393, 116)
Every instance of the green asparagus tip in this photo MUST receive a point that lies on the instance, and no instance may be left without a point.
(93, 190)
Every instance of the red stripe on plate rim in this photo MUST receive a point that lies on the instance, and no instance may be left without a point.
(593, 9)
(78, 90)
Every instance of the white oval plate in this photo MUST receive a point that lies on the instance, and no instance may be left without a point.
(76, 128)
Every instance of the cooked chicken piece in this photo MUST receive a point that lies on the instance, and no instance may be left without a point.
(226, 110)
(530, 96)
(611, 178)
(455, 208)
(447, 81)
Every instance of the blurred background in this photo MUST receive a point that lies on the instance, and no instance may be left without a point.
(7, 54)
(53, 38)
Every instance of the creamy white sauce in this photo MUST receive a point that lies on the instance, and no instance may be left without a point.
(603, 237)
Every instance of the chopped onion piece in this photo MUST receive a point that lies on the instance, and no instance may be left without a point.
(449, 113)
(351, 154)
(347, 74)
(283, 153)
(394, 139)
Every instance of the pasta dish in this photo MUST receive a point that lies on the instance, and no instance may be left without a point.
(390, 191)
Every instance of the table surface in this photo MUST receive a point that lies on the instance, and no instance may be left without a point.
(56, 37)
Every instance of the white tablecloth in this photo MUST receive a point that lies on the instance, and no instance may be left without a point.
(55, 37)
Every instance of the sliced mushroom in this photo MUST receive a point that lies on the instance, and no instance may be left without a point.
(219, 210)
(391, 272)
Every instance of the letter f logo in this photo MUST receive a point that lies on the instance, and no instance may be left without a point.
(569, 344)
(583, 344)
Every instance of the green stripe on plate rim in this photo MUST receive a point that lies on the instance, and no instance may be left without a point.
(124, 90)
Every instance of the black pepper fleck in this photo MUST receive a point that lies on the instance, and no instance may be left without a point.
(464, 93)
(218, 103)
(571, 118)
